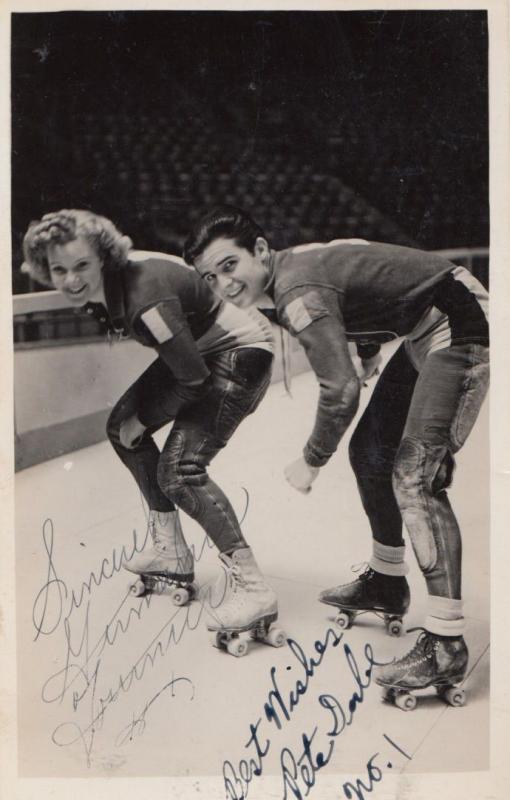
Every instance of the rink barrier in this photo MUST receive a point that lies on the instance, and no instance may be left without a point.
(63, 396)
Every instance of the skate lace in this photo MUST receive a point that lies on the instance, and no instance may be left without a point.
(367, 573)
(423, 649)
(236, 578)
(161, 546)
(157, 540)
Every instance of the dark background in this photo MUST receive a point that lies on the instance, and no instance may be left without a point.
(322, 124)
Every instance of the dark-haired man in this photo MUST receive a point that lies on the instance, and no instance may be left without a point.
(421, 411)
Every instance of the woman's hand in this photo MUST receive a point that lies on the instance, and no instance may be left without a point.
(131, 431)
(301, 475)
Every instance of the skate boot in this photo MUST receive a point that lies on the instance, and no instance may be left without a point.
(386, 595)
(168, 565)
(438, 661)
(248, 604)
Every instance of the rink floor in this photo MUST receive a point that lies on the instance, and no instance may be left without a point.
(111, 684)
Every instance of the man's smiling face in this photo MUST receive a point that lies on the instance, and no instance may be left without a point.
(233, 272)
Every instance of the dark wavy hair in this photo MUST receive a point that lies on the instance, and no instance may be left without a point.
(227, 221)
(63, 226)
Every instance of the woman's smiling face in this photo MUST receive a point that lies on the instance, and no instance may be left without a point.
(233, 272)
(76, 270)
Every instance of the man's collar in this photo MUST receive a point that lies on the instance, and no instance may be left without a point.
(269, 287)
(266, 299)
(266, 302)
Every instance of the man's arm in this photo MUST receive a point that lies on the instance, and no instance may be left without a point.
(326, 346)
(313, 315)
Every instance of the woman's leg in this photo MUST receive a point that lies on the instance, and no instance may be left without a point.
(153, 396)
(239, 379)
(152, 391)
(238, 382)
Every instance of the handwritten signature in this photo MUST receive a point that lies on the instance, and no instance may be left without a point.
(137, 726)
(69, 611)
(374, 774)
(299, 769)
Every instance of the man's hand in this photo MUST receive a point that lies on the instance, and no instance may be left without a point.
(301, 475)
(131, 431)
(367, 368)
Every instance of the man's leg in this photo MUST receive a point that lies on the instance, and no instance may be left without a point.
(374, 444)
(372, 451)
(449, 392)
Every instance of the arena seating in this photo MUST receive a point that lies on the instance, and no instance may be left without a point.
(155, 173)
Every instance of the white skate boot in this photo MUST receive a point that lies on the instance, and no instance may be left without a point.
(168, 564)
(248, 605)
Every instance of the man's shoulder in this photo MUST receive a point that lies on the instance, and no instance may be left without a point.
(309, 257)
(312, 264)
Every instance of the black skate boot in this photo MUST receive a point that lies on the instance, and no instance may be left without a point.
(439, 661)
(386, 595)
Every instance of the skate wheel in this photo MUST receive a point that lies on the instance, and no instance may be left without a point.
(237, 647)
(394, 627)
(276, 637)
(454, 696)
(259, 633)
(180, 597)
(388, 694)
(137, 588)
(344, 620)
(219, 639)
(407, 702)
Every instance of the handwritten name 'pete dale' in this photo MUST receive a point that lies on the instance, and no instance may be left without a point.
(278, 710)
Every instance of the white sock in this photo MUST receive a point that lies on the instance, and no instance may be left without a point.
(388, 560)
(445, 616)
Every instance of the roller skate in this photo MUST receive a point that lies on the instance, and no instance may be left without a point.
(387, 596)
(249, 607)
(434, 661)
(167, 567)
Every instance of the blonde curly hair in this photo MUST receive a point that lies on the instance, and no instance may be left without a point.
(63, 226)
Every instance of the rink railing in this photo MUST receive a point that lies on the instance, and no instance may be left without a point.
(57, 346)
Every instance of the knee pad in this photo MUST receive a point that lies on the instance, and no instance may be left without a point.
(178, 469)
(421, 468)
(421, 472)
(444, 473)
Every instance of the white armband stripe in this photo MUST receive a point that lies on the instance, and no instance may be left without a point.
(298, 315)
(157, 325)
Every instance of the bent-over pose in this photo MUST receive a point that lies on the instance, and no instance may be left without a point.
(212, 369)
(421, 411)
